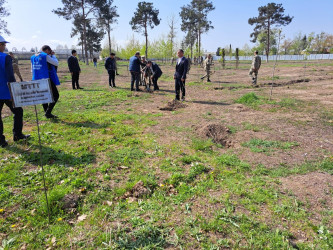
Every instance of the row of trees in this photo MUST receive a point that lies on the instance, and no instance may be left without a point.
(311, 43)
(92, 17)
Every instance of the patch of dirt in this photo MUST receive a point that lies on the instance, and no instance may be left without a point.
(285, 83)
(173, 105)
(70, 202)
(138, 191)
(313, 188)
(217, 132)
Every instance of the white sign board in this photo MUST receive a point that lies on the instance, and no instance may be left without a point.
(31, 93)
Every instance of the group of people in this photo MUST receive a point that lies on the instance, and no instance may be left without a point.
(44, 65)
(7, 75)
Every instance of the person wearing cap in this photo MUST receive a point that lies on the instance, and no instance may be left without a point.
(43, 65)
(74, 68)
(256, 63)
(180, 74)
(134, 68)
(15, 66)
(7, 75)
(155, 72)
(207, 64)
(111, 67)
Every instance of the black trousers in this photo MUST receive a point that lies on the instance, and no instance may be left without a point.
(112, 75)
(48, 107)
(135, 77)
(75, 80)
(179, 86)
(18, 119)
(154, 79)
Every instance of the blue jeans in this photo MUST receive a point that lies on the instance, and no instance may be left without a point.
(95, 64)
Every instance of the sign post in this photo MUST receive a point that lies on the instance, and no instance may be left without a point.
(30, 94)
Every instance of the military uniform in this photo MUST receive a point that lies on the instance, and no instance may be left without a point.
(253, 73)
(207, 66)
(16, 68)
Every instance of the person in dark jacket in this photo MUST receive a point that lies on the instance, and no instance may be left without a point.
(111, 67)
(74, 68)
(7, 75)
(134, 68)
(156, 73)
(180, 74)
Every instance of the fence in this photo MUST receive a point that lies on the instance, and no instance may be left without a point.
(59, 54)
(281, 57)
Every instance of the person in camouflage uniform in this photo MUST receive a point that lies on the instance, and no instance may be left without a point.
(207, 65)
(15, 66)
(256, 63)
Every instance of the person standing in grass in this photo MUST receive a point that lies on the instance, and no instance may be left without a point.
(74, 68)
(95, 62)
(111, 67)
(207, 64)
(7, 75)
(135, 69)
(180, 74)
(43, 65)
(15, 66)
(256, 63)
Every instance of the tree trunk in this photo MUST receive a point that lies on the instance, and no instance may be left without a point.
(191, 50)
(199, 43)
(146, 34)
(84, 33)
(268, 39)
(82, 47)
(109, 37)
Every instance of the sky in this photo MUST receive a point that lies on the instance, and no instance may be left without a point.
(33, 24)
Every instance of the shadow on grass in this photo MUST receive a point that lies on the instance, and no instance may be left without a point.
(82, 124)
(51, 156)
(211, 103)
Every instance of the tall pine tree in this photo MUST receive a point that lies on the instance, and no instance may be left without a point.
(145, 17)
(270, 16)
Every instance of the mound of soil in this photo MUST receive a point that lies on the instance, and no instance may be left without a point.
(217, 132)
(312, 188)
(138, 191)
(70, 202)
(173, 105)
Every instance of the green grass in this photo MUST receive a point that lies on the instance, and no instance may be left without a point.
(249, 99)
(260, 146)
(201, 196)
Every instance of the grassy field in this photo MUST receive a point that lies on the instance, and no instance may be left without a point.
(122, 174)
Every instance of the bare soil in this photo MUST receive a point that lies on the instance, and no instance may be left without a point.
(314, 189)
(217, 132)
